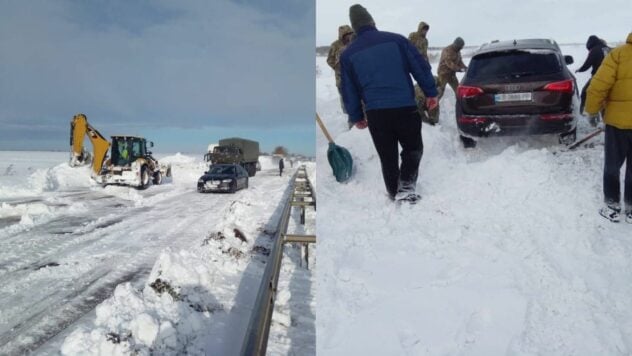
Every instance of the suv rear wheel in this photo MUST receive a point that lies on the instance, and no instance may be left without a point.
(467, 142)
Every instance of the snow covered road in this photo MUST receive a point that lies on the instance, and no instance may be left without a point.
(65, 244)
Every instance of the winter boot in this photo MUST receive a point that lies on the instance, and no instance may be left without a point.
(611, 212)
(628, 216)
(411, 198)
(406, 192)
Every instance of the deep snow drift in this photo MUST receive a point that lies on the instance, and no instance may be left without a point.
(169, 270)
(504, 254)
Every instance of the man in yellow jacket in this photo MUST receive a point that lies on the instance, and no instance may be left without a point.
(611, 89)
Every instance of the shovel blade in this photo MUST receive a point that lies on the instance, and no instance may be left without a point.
(340, 161)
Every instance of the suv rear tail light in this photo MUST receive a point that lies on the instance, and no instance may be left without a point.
(467, 92)
(465, 119)
(556, 117)
(565, 86)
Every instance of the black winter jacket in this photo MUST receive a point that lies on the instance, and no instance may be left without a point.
(597, 52)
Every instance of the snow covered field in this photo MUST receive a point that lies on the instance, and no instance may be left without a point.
(169, 270)
(504, 254)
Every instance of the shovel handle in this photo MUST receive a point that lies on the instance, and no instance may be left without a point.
(322, 127)
(588, 137)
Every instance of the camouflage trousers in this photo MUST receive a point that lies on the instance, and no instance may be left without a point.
(449, 79)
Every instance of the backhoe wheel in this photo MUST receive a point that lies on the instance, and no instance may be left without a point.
(157, 178)
(144, 178)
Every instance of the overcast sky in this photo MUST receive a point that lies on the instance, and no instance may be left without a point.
(566, 21)
(186, 73)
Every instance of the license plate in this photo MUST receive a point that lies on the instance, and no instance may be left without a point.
(512, 97)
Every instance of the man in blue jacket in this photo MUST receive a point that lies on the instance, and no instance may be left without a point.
(376, 69)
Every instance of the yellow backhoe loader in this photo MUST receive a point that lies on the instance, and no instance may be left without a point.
(130, 162)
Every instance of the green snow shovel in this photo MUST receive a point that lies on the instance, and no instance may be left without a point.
(339, 157)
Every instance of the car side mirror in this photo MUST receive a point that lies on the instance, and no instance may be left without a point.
(151, 143)
(568, 59)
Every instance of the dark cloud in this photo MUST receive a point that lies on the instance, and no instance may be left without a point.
(156, 63)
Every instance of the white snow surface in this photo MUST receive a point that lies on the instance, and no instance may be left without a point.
(67, 245)
(504, 254)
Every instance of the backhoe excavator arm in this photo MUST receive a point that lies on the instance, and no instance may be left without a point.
(79, 127)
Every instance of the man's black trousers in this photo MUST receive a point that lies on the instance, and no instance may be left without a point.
(390, 127)
(618, 150)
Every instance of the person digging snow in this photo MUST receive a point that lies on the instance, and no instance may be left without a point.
(597, 51)
(611, 88)
(450, 62)
(375, 70)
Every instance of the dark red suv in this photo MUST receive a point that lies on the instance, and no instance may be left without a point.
(519, 87)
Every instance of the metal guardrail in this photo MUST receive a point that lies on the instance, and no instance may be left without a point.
(256, 339)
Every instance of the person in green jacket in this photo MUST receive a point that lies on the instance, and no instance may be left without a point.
(419, 39)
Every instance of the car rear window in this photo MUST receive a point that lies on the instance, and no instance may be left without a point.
(513, 64)
(222, 170)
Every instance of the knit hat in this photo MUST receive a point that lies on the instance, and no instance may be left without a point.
(459, 43)
(592, 42)
(359, 17)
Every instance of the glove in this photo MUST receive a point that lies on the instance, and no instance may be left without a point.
(362, 124)
(593, 119)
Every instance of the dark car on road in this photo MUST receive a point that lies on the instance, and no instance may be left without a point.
(223, 178)
(518, 87)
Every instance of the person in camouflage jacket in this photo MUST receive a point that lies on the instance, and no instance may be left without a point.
(450, 63)
(419, 39)
(345, 35)
(429, 116)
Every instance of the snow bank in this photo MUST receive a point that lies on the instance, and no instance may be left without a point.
(171, 315)
(269, 162)
(61, 177)
(178, 158)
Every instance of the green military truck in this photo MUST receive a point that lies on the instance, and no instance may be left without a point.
(237, 150)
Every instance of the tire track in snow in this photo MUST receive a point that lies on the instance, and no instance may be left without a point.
(52, 314)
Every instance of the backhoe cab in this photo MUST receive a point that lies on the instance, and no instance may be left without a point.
(130, 162)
